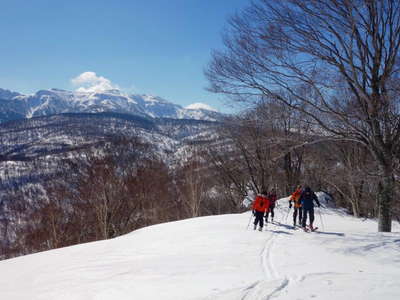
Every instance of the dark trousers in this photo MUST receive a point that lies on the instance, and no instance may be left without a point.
(298, 211)
(270, 210)
(259, 218)
(310, 212)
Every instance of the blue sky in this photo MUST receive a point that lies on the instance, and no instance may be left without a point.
(157, 47)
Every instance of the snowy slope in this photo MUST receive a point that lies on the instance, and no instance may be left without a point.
(218, 258)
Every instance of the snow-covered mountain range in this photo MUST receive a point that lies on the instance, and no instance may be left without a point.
(55, 101)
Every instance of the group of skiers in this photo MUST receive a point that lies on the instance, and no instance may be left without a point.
(302, 201)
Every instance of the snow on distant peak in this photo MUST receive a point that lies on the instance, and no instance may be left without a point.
(96, 93)
(7, 94)
(201, 106)
(153, 99)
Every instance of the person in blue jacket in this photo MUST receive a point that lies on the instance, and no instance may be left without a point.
(307, 199)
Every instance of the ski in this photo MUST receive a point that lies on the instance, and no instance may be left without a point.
(308, 229)
(311, 230)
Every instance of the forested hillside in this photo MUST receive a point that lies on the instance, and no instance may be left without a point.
(71, 178)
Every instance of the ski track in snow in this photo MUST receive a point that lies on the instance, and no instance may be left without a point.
(268, 254)
(280, 288)
(273, 284)
(263, 290)
(266, 259)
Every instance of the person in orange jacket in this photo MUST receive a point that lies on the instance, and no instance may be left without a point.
(260, 207)
(295, 198)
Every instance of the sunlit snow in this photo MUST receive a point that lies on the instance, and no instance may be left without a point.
(200, 106)
(218, 257)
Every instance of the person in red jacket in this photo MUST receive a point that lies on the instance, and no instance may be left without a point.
(260, 207)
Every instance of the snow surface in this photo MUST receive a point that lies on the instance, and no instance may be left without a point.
(218, 257)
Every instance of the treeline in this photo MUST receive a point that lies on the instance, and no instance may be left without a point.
(272, 146)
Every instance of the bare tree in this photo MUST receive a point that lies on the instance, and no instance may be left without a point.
(249, 150)
(287, 128)
(339, 61)
(256, 151)
(355, 176)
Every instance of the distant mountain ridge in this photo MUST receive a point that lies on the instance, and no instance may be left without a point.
(14, 105)
(26, 139)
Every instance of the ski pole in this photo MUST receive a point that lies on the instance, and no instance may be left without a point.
(320, 216)
(251, 217)
(287, 214)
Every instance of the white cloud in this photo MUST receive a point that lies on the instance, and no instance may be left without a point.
(200, 106)
(90, 82)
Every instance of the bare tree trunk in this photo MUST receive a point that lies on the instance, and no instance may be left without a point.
(385, 199)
